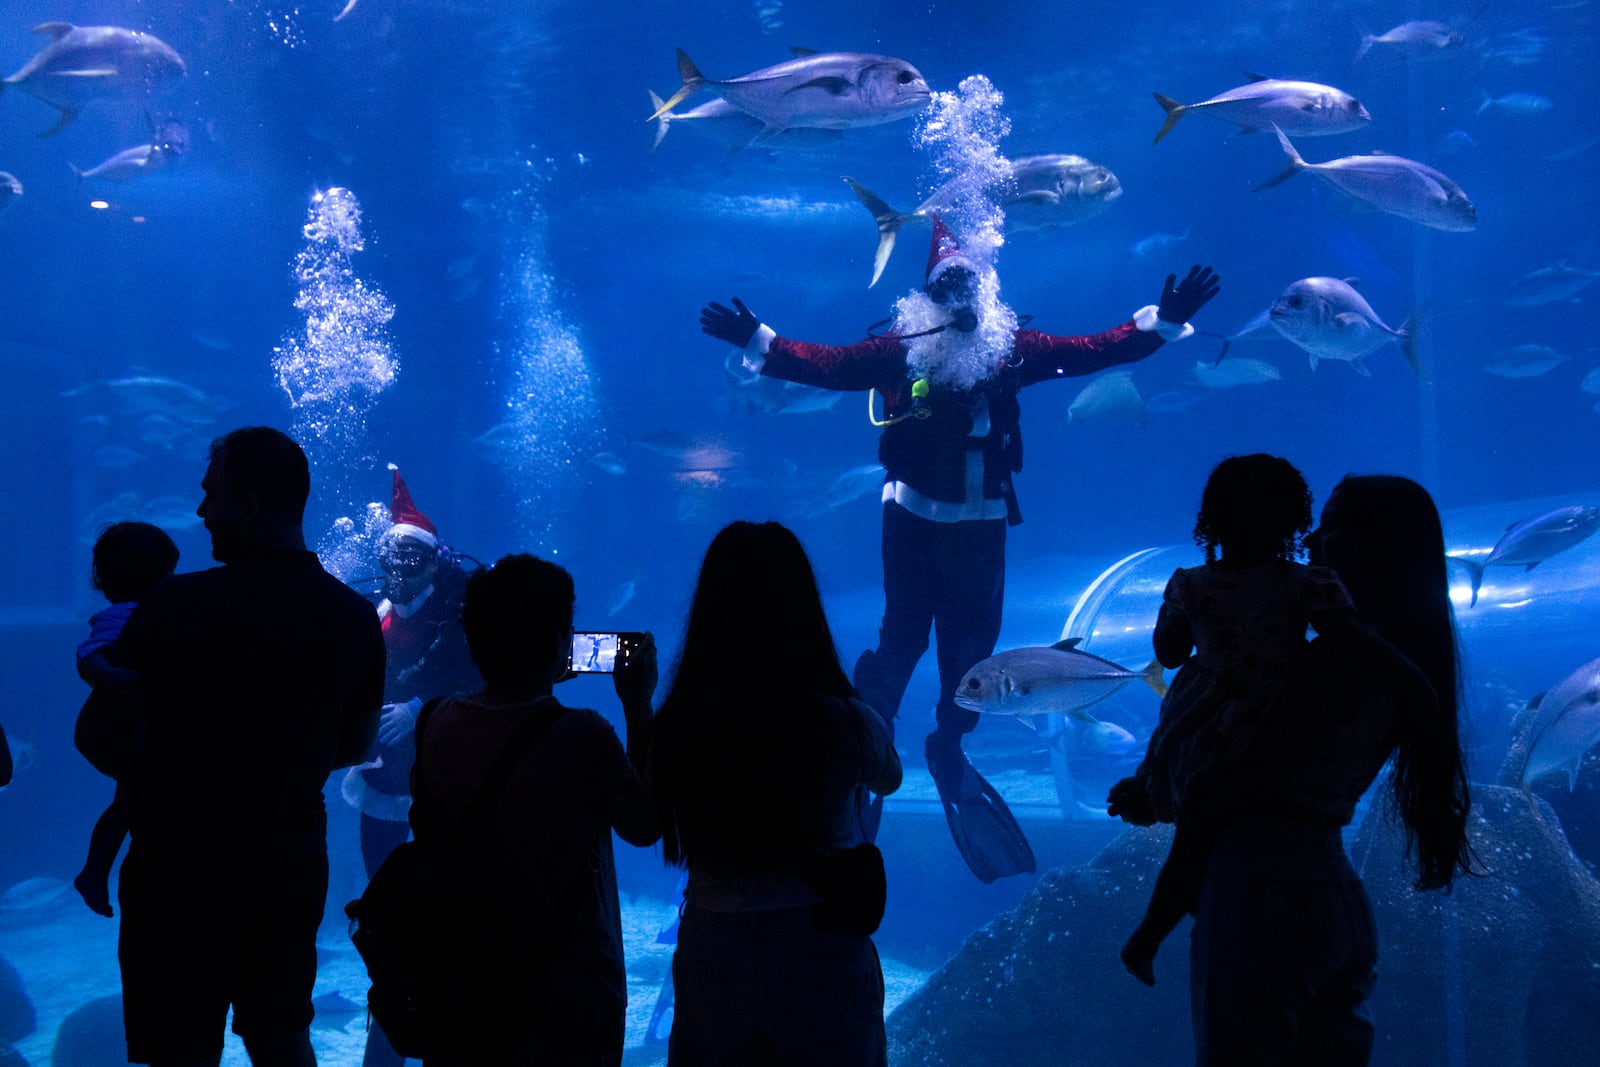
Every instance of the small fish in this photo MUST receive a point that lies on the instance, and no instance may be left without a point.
(1235, 372)
(1109, 397)
(82, 63)
(609, 462)
(1171, 400)
(32, 894)
(1591, 382)
(1059, 678)
(621, 596)
(1420, 36)
(10, 190)
(1393, 184)
(1565, 727)
(1453, 142)
(1517, 103)
(1104, 739)
(1159, 241)
(171, 513)
(1549, 285)
(1529, 542)
(831, 90)
(1330, 320)
(853, 484)
(1524, 361)
(1040, 193)
(131, 163)
(1305, 109)
(142, 395)
(750, 393)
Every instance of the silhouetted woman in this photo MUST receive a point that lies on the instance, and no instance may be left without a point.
(1284, 950)
(761, 758)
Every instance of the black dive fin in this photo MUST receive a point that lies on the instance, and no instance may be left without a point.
(983, 828)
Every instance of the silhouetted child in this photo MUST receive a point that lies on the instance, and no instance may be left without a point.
(1245, 616)
(130, 558)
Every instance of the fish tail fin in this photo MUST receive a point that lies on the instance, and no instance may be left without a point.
(1366, 42)
(1296, 164)
(889, 222)
(67, 115)
(1487, 102)
(661, 116)
(75, 171)
(1174, 112)
(1475, 576)
(1154, 678)
(1407, 336)
(692, 81)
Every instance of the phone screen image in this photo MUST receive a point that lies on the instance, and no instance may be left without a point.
(594, 652)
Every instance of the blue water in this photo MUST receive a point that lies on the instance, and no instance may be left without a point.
(542, 382)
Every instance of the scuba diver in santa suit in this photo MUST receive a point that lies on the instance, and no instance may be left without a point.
(949, 371)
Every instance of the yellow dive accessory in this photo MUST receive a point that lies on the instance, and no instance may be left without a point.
(919, 410)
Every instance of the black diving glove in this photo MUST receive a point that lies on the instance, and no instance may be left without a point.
(1179, 302)
(726, 324)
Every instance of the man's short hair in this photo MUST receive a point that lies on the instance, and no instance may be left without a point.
(267, 462)
(515, 613)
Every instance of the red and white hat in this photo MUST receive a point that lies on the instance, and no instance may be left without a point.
(407, 520)
(945, 253)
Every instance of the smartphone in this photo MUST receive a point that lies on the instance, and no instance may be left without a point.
(598, 653)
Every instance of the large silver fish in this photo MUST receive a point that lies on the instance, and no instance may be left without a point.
(1305, 109)
(83, 63)
(1330, 320)
(1059, 678)
(1565, 726)
(831, 90)
(1043, 192)
(1529, 542)
(1394, 184)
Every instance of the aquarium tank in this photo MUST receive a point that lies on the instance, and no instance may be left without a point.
(471, 242)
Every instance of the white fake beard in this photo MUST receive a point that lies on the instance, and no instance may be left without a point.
(950, 357)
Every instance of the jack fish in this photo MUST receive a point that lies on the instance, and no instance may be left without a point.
(1330, 320)
(1394, 184)
(1565, 726)
(1044, 192)
(1550, 285)
(1419, 36)
(1060, 678)
(831, 90)
(82, 63)
(1305, 109)
(1529, 542)
(168, 141)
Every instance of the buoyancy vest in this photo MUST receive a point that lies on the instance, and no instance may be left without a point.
(929, 452)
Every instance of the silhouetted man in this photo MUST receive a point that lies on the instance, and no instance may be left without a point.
(256, 680)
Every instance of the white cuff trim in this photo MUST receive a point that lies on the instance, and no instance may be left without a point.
(1147, 319)
(755, 353)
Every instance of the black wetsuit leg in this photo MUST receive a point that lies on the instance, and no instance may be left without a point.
(909, 599)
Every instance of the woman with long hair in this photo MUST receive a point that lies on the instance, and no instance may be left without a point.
(1282, 875)
(761, 762)
(1284, 950)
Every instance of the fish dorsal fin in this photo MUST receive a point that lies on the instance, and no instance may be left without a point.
(801, 51)
(1255, 77)
(1069, 644)
(57, 30)
(1354, 283)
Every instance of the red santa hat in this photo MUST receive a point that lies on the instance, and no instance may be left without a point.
(945, 253)
(407, 520)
